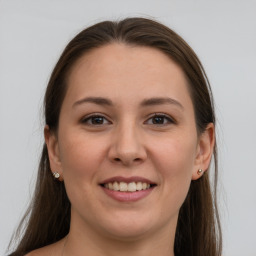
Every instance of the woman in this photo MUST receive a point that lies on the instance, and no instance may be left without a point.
(129, 138)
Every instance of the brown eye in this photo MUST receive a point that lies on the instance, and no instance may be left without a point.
(95, 120)
(160, 119)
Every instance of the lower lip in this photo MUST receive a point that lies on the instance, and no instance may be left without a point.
(128, 196)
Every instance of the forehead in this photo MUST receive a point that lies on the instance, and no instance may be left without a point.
(117, 70)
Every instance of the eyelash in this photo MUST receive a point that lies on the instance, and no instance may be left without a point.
(158, 115)
(161, 115)
(89, 118)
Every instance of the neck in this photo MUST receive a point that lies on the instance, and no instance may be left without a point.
(86, 241)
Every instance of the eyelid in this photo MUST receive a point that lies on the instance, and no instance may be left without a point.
(170, 119)
(89, 116)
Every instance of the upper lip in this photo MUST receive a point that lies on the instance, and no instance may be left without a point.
(127, 180)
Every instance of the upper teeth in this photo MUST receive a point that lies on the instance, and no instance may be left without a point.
(123, 186)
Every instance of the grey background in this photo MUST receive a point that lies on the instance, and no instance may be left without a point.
(223, 34)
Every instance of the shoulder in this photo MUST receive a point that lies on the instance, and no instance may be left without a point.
(40, 252)
(52, 249)
(33, 253)
(44, 251)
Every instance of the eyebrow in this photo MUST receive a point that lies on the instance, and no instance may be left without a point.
(161, 101)
(95, 100)
(144, 103)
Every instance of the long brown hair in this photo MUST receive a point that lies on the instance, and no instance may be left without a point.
(48, 217)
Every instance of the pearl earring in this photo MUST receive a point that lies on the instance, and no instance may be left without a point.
(200, 171)
(56, 175)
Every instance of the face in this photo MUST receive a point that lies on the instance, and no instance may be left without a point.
(127, 145)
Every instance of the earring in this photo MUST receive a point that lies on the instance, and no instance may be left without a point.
(200, 171)
(56, 175)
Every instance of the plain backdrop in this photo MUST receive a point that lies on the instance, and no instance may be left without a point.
(223, 34)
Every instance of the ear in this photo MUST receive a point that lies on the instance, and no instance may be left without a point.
(205, 146)
(51, 141)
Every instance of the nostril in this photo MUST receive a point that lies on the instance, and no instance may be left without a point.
(119, 160)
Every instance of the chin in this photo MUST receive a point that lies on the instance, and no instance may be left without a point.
(130, 227)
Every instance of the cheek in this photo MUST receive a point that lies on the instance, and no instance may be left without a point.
(80, 159)
(175, 162)
(176, 155)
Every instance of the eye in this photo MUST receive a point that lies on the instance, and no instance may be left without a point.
(160, 119)
(95, 120)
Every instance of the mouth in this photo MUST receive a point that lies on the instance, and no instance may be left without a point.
(128, 186)
(128, 189)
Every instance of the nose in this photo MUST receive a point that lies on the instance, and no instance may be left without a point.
(127, 146)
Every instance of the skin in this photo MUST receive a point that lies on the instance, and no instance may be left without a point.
(127, 142)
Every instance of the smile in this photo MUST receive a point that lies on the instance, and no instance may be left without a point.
(127, 187)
